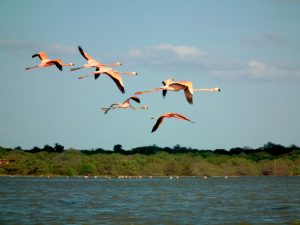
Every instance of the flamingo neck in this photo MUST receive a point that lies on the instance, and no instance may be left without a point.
(206, 89)
(128, 73)
(68, 64)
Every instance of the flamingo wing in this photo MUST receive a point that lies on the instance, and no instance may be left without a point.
(157, 124)
(84, 54)
(117, 79)
(135, 98)
(164, 93)
(111, 107)
(58, 64)
(181, 117)
(97, 74)
(41, 55)
(188, 95)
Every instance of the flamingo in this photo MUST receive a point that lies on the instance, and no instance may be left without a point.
(115, 75)
(169, 115)
(45, 62)
(187, 86)
(124, 105)
(91, 62)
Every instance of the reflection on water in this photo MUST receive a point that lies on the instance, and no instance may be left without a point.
(236, 200)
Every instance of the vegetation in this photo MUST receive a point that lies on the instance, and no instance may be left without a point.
(271, 159)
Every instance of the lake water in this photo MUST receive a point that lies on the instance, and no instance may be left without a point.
(216, 200)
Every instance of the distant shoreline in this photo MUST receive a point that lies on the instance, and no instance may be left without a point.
(133, 177)
(270, 160)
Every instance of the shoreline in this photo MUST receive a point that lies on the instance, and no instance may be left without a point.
(134, 177)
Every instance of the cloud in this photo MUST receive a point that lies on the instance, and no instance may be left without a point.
(257, 70)
(180, 52)
(15, 46)
(266, 38)
(275, 40)
(167, 56)
(63, 50)
(184, 58)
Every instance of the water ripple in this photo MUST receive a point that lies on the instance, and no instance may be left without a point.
(239, 200)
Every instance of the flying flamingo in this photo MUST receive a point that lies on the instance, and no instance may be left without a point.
(186, 86)
(115, 75)
(169, 115)
(45, 62)
(91, 62)
(124, 105)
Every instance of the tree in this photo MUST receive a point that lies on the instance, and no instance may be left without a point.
(35, 149)
(118, 149)
(48, 148)
(58, 148)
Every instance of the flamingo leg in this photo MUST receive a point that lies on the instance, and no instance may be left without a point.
(29, 68)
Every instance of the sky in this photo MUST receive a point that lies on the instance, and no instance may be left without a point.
(249, 49)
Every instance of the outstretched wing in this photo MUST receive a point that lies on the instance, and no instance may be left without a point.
(188, 95)
(58, 64)
(135, 98)
(164, 93)
(41, 55)
(84, 54)
(111, 107)
(97, 74)
(181, 117)
(157, 124)
(117, 79)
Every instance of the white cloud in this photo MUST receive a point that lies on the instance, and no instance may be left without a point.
(59, 49)
(15, 46)
(265, 38)
(175, 51)
(257, 70)
(167, 56)
(185, 58)
(180, 50)
(257, 67)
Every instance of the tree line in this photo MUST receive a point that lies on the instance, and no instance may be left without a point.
(270, 159)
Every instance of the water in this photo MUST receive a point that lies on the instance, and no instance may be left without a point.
(236, 200)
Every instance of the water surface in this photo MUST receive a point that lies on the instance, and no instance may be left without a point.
(236, 200)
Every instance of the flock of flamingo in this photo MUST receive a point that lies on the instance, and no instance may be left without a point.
(168, 84)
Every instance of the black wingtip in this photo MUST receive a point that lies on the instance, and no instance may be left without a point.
(136, 99)
(164, 93)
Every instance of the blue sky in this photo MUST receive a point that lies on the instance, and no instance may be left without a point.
(249, 49)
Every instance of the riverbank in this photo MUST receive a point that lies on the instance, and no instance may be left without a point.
(188, 163)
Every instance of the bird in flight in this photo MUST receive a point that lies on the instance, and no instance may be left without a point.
(91, 62)
(186, 86)
(115, 75)
(46, 62)
(124, 105)
(168, 115)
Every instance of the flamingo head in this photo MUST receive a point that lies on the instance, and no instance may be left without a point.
(217, 89)
(144, 107)
(133, 73)
(118, 64)
(71, 64)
